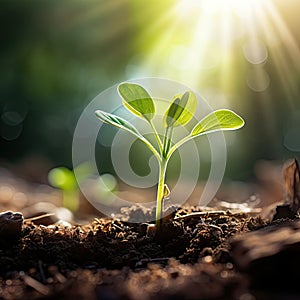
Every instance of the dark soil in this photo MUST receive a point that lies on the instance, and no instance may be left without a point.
(192, 257)
(210, 254)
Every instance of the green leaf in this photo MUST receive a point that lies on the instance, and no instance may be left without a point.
(62, 178)
(125, 125)
(181, 110)
(223, 119)
(117, 122)
(137, 100)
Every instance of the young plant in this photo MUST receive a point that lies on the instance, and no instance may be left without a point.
(182, 109)
(65, 180)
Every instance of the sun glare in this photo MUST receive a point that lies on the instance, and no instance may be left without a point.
(241, 6)
(223, 45)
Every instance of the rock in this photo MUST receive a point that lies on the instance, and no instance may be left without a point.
(270, 256)
(10, 225)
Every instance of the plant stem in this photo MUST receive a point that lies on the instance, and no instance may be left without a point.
(165, 142)
(157, 137)
(160, 192)
(169, 140)
(152, 149)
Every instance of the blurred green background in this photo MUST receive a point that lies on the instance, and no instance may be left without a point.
(56, 56)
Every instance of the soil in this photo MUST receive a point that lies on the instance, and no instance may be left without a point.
(197, 253)
(192, 257)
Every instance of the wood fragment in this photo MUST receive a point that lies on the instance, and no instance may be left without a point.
(291, 176)
(118, 227)
(60, 277)
(39, 217)
(201, 214)
(39, 287)
(290, 204)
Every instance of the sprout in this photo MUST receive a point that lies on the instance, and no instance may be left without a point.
(182, 109)
(65, 180)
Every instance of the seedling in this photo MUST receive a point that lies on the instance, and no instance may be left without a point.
(65, 180)
(182, 109)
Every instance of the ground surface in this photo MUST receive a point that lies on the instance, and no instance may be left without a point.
(192, 258)
(210, 253)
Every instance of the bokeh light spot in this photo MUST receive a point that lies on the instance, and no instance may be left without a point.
(12, 118)
(291, 139)
(255, 51)
(258, 79)
(10, 133)
(108, 181)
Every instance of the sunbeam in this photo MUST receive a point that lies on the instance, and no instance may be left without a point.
(229, 41)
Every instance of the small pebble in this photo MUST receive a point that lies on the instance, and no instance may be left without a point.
(11, 224)
(151, 230)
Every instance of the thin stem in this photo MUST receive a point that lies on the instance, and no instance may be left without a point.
(156, 136)
(169, 140)
(160, 192)
(152, 149)
(165, 142)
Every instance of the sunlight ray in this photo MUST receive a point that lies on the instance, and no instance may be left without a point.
(285, 34)
(224, 47)
(270, 26)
